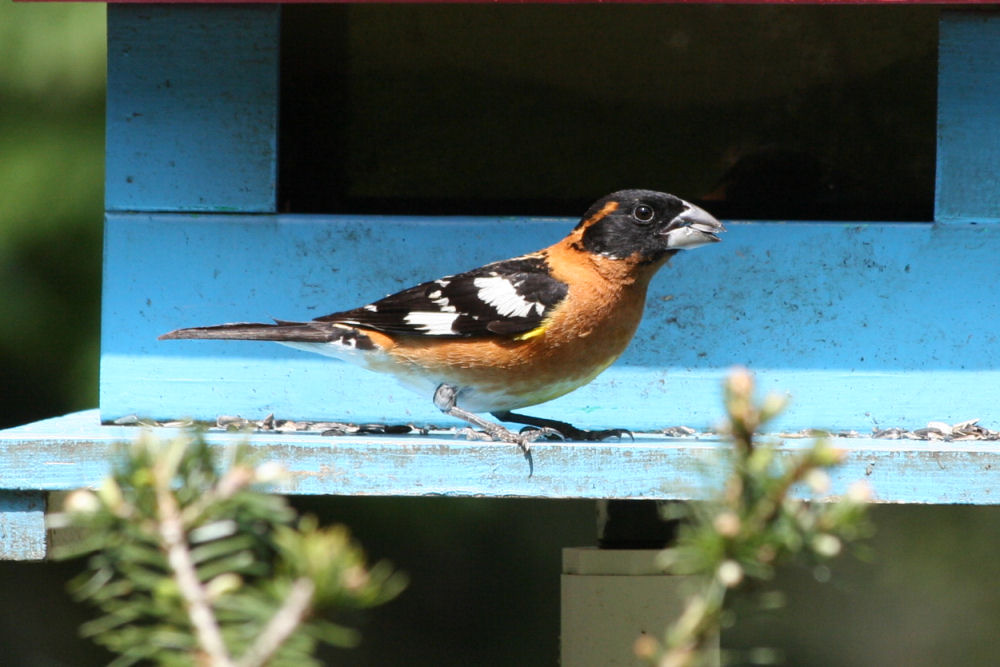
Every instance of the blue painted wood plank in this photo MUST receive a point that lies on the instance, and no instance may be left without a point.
(22, 524)
(893, 324)
(192, 108)
(968, 151)
(74, 451)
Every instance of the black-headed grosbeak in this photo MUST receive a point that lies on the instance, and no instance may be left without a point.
(513, 333)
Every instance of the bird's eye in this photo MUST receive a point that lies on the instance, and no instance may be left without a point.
(643, 213)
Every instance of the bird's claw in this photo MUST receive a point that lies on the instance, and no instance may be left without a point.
(613, 433)
(573, 433)
(535, 432)
(472, 434)
(523, 439)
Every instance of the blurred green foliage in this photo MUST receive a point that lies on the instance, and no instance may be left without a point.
(753, 525)
(52, 76)
(191, 562)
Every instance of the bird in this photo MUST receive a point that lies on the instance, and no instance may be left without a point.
(515, 332)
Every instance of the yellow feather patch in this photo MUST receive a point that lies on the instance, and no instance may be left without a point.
(537, 331)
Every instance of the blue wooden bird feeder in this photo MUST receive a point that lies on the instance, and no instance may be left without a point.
(860, 321)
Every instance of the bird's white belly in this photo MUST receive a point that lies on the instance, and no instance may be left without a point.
(497, 396)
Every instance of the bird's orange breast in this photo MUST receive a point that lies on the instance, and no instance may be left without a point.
(583, 335)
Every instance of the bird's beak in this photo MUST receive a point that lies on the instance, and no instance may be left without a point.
(693, 228)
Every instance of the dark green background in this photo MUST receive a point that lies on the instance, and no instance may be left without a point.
(765, 112)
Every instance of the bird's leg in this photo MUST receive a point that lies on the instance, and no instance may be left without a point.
(444, 399)
(567, 431)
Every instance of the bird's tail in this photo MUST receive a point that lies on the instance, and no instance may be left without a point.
(280, 331)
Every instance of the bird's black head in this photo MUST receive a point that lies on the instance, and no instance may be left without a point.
(644, 225)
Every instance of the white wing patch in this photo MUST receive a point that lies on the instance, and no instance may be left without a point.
(434, 323)
(502, 295)
(441, 301)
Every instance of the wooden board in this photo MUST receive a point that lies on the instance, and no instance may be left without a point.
(192, 110)
(75, 451)
(968, 155)
(22, 518)
(863, 324)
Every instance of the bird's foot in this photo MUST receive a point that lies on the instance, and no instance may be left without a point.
(501, 434)
(444, 399)
(564, 430)
(595, 436)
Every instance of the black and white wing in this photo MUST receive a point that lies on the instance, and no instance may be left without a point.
(507, 298)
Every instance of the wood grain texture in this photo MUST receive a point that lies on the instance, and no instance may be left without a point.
(968, 145)
(22, 521)
(891, 324)
(75, 451)
(192, 108)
